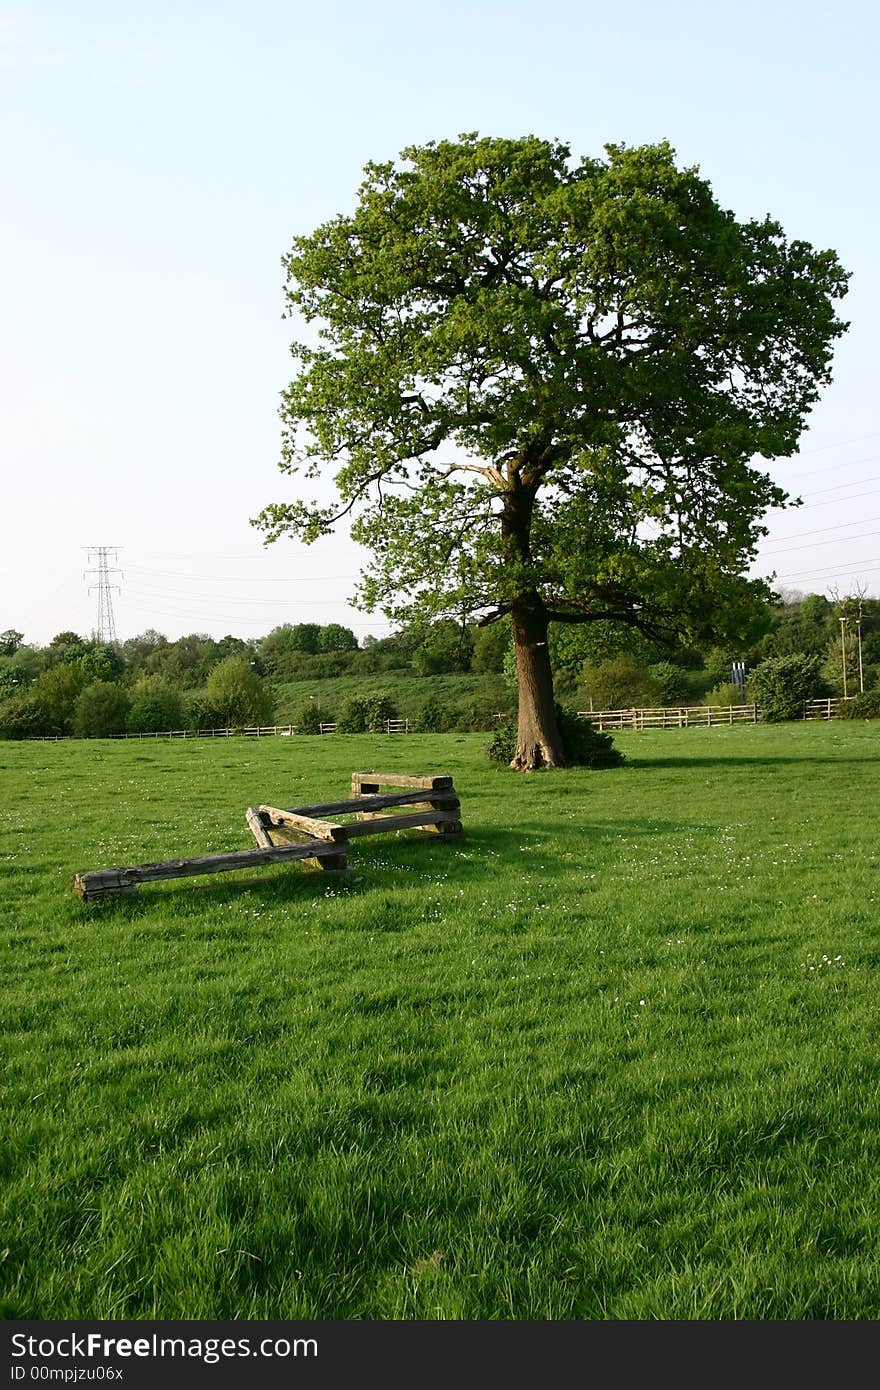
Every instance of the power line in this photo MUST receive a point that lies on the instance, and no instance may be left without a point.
(863, 567)
(837, 486)
(236, 601)
(773, 556)
(834, 501)
(826, 467)
(823, 530)
(245, 579)
(838, 444)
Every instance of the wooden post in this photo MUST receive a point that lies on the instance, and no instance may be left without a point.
(258, 828)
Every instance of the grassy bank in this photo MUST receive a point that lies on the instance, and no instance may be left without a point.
(613, 1055)
(460, 692)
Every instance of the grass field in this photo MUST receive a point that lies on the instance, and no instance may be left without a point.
(614, 1055)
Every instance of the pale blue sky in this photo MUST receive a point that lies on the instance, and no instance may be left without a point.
(157, 160)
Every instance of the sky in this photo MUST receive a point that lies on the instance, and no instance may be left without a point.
(157, 161)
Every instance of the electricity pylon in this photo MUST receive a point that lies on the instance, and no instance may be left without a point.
(106, 622)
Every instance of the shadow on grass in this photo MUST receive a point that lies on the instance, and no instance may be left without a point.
(478, 854)
(634, 762)
(494, 850)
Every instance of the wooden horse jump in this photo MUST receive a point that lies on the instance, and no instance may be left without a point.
(300, 834)
(436, 810)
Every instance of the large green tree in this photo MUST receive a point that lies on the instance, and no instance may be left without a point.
(540, 385)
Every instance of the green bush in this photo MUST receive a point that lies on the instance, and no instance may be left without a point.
(366, 714)
(719, 665)
(156, 707)
(24, 715)
(621, 682)
(490, 645)
(433, 717)
(585, 745)
(668, 683)
(864, 706)
(502, 745)
(57, 690)
(101, 710)
(196, 714)
(235, 696)
(724, 695)
(353, 717)
(781, 685)
(475, 717)
(13, 679)
(310, 716)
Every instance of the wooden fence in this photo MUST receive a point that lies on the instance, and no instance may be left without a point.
(672, 717)
(824, 709)
(697, 716)
(669, 717)
(390, 726)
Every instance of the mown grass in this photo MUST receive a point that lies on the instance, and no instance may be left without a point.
(611, 1056)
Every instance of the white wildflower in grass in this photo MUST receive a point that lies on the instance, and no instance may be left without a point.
(813, 964)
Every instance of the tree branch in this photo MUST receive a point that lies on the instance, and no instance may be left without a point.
(490, 474)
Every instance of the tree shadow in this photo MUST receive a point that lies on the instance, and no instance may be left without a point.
(501, 850)
(478, 852)
(634, 762)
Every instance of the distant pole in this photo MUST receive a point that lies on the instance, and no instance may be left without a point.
(106, 621)
(843, 622)
(859, 636)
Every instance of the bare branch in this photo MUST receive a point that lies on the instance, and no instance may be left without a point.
(490, 474)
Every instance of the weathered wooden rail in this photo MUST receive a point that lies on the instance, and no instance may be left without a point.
(303, 835)
(436, 809)
(103, 883)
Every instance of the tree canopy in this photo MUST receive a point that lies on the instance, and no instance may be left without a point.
(540, 385)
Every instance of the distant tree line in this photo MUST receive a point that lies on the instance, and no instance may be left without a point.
(810, 646)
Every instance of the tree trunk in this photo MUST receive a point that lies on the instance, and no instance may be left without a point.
(538, 743)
